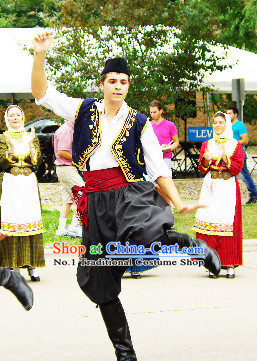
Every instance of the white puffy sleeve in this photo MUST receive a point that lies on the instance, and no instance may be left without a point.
(62, 105)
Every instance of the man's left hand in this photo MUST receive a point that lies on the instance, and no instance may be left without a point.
(191, 207)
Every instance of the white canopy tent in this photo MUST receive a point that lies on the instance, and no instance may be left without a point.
(244, 66)
(16, 64)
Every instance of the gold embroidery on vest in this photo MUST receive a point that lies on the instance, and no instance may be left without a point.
(116, 147)
(138, 155)
(147, 121)
(77, 112)
(96, 136)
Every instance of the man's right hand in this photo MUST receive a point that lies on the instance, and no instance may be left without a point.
(42, 42)
(3, 235)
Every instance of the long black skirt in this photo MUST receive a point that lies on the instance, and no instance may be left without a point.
(135, 213)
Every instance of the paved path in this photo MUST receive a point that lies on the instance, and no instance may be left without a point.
(175, 313)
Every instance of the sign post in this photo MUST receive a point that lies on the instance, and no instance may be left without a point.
(238, 95)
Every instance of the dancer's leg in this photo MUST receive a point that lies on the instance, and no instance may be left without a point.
(210, 256)
(118, 330)
(15, 283)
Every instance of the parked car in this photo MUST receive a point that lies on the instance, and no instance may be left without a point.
(45, 129)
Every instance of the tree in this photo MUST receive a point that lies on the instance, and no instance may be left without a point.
(166, 63)
(223, 101)
(235, 22)
(27, 13)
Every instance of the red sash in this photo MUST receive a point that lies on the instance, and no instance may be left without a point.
(96, 181)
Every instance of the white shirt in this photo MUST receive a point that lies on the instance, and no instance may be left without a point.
(66, 107)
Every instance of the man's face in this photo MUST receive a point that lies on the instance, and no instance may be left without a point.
(115, 87)
(232, 115)
(156, 114)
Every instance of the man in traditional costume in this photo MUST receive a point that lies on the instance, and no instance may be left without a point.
(113, 145)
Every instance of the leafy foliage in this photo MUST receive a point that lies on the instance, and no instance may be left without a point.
(235, 22)
(223, 101)
(166, 63)
(27, 13)
(143, 32)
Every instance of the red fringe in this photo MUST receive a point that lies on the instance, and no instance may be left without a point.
(95, 181)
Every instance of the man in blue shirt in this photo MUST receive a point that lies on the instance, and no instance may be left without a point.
(240, 134)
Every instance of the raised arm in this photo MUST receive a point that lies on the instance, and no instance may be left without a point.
(42, 43)
(170, 191)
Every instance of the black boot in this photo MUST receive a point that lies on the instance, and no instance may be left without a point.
(210, 256)
(15, 283)
(118, 331)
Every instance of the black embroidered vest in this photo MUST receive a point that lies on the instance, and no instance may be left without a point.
(126, 148)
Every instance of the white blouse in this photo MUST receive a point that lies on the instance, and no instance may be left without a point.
(66, 107)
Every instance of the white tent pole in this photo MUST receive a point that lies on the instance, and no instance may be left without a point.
(208, 109)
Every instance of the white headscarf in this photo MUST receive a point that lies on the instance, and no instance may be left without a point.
(225, 138)
(10, 129)
(228, 132)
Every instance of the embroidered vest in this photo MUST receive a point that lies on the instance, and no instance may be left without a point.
(126, 148)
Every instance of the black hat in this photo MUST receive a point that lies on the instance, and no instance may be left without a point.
(116, 65)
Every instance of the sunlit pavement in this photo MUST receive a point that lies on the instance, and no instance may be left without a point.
(174, 312)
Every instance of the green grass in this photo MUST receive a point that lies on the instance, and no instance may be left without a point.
(183, 223)
(51, 221)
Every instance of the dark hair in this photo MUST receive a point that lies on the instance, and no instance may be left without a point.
(219, 114)
(103, 77)
(235, 110)
(156, 103)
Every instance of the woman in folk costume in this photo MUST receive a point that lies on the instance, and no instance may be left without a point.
(220, 224)
(20, 203)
